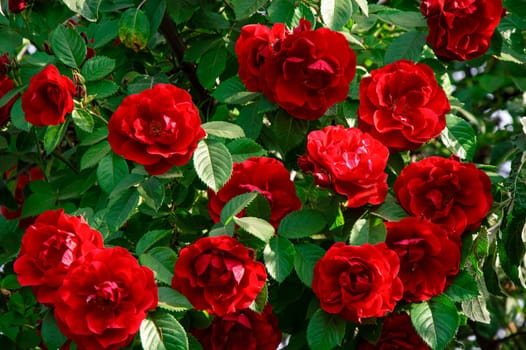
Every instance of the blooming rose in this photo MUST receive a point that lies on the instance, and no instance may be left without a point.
(461, 30)
(445, 191)
(242, 330)
(254, 46)
(428, 258)
(49, 247)
(267, 176)
(397, 333)
(158, 128)
(358, 282)
(6, 85)
(309, 71)
(16, 6)
(104, 298)
(218, 274)
(48, 98)
(352, 161)
(402, 105)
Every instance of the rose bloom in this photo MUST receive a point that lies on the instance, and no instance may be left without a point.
(398, 333)
(350, 161)
(254, 46)
(461, 30)
(269, 177)
(428, 258)
(309, 72)
(158, 128)
(242, 330)
(48, 98)
(357, 282)
(104, 298)
(49, 247)
(402, 105)
(218, 274)
(445, 191)
(16, 6)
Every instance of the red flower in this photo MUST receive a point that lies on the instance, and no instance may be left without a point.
(428, 258)
(267, 176)
(445, 191)
(6, 85)
(350, 160)
(397, 333)
(49, 247)
(48, 98)
(242, 330)
(254, 46)
(104, 298)
(218, 274)
(16, 6)
(357, 282)
(309, 71)
(158, 128)
(461, 30)
(402, 105)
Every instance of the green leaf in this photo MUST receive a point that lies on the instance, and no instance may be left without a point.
(403, 19)
(390, 210)
(463, 287)
(244, 8)
(235, 205)
(89, 9)
(18, 117)
(279, 258)
(8, 96)
(94, 154)
(212, 163)
(96, 136)
(134, 29)
(68, 46)
(38, 203)
(101, 89)
(152, 193)
(121, 208)
(97, 67)
(459, 137)
(336, 13)
(259, 207)
(149, 239)
(289, 131)
(436, 321)
(302, 223)
(111, 169)
(162, 331)
(223, 129)
(51, 334)
(53, 136)
(160, 271)
(233, 91)
(476, 309)
(281, 11)
(307, 254)
(257, 227)
(211, 65)
(325, 331)
(258, 305)
(155, 10)
(407, 46)
(172, 300)
(368, 230)
(243, 148)
(250, 118)
(83, 120)
(364, 6)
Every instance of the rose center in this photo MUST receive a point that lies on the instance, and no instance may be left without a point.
(356, 280)
(53, 92)
(106, 295)
(59, 250)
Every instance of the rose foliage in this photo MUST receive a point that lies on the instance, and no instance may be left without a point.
(262, 174)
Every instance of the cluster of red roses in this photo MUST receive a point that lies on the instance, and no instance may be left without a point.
(99, 295)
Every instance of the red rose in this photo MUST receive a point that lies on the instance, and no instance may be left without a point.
(49, 247)
(352, 161)
(16, 6)
(6, 85)
(397, 333)
(461, 30)
(358, 282)
(104, 298)
(267, 176)
(309, 71)
(402, 105)
(218, 274)
(158, 128)
(48, 98)
(253, 47)
(445, 191)
(242, 330)
(428, 258)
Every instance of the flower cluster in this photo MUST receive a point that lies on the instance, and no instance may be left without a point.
(100, 295)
